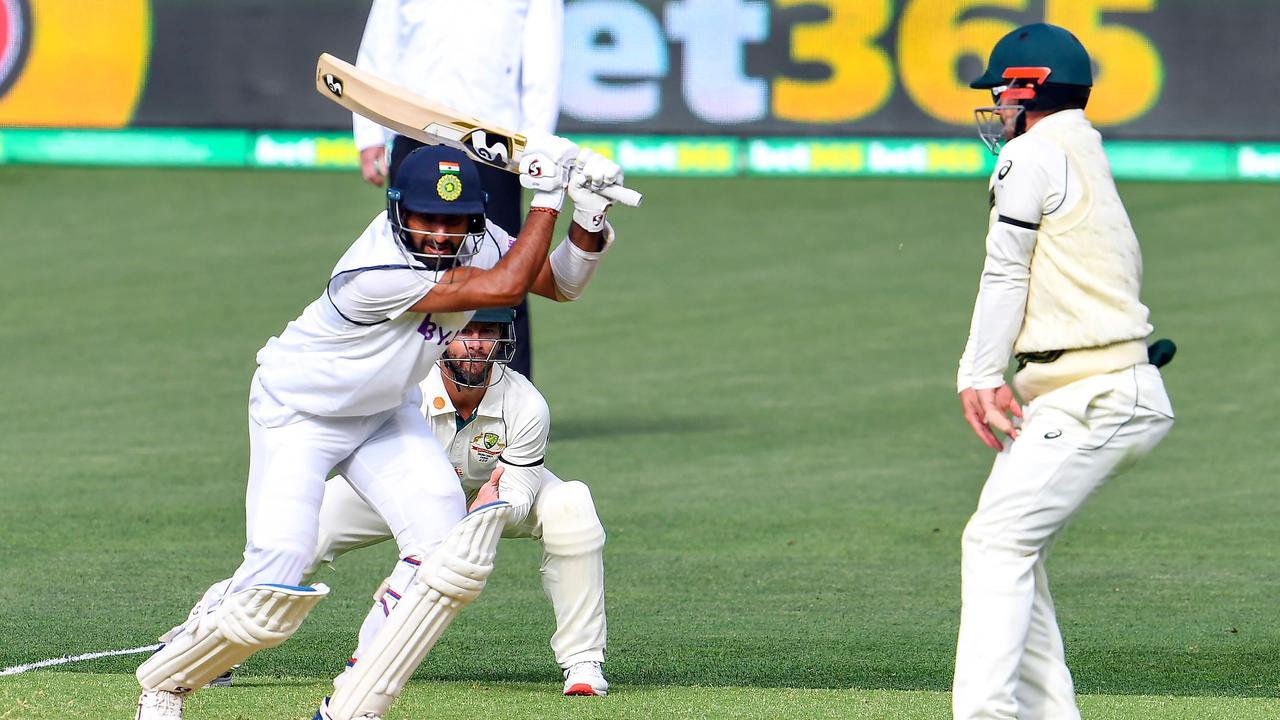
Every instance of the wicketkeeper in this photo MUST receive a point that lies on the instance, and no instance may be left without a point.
(493, 424)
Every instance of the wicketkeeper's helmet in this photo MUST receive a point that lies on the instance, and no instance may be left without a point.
(504, 349)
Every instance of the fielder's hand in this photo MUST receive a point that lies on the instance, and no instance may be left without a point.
(986, 410)
(544, 168)
(591, 174)
(488, 491)
(373, 164)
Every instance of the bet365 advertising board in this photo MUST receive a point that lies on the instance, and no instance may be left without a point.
(759, 75)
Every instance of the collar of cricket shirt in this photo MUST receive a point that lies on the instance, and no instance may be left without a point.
(437, 400)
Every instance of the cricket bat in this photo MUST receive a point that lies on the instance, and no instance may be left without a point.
(398, 109)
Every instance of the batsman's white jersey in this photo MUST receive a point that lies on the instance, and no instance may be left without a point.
(510, 428)
(356, 350)
(1059, 289)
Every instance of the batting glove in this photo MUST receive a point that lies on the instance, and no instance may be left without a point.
(592, 172)
(544, 168)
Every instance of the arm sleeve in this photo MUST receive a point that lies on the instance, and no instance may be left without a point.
(1020, 189)
(377, 295)
(522, 458)
(964, 374)
(540, 66)
(379, 48)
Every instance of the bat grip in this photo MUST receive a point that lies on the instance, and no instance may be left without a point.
(623, 195)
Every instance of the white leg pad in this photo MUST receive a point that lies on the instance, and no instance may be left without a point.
(255, 618)
(570, 525)
(573, 575)
(448, 580)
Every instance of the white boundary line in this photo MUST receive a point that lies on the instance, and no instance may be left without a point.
(18, 669)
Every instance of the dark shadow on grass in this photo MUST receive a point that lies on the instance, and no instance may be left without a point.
(585, 428)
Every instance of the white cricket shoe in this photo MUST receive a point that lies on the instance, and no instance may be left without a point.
(585, 678)
(159, 705)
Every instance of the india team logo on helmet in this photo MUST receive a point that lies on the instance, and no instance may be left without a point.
(15, 40)
(1039, 67)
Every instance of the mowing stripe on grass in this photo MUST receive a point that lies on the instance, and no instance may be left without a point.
(16, 669)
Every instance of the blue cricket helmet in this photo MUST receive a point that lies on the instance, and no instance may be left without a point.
(438, 179)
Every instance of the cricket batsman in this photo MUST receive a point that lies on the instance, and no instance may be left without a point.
(493, 424)
(1059, 292)
(338, 389)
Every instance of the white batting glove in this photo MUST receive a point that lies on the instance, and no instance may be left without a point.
(544, 169)
(592, 172)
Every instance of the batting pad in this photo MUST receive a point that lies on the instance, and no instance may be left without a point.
(449, 579)
(257, 617)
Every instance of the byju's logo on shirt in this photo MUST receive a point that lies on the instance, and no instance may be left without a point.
(431, 331)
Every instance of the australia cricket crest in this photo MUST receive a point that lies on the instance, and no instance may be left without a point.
(487, 446)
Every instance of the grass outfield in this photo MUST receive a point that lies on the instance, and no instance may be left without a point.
(60, 696)
(759, 390)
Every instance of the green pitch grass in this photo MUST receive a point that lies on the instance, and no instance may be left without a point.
(759, 390)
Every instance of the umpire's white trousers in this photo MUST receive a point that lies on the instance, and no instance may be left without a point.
(1009, 656)
(574, 582)
(391, 458)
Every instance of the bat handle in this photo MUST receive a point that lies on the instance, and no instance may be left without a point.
(626, 196)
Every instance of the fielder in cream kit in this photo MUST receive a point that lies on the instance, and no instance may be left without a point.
(338, 389)
(493, 424)
(1059, 292)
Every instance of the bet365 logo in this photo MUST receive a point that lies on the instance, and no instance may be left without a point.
(15, 40)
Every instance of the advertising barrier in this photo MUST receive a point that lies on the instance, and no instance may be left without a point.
(642, 155)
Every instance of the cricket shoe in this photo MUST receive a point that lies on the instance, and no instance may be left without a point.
(585, 678)
(159, 705)
(323, 713)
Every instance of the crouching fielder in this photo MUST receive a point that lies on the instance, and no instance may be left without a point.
(493, 424)
(1059, 290)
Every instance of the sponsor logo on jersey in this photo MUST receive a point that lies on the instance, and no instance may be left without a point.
(1004, 169)
(15, 40)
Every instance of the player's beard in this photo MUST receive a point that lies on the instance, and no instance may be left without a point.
(461, 370)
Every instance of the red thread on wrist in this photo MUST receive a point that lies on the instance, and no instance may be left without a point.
(550, 211)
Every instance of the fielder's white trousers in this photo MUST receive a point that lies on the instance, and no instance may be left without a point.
(391, 458)
(574, 583)
(1009, 656)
